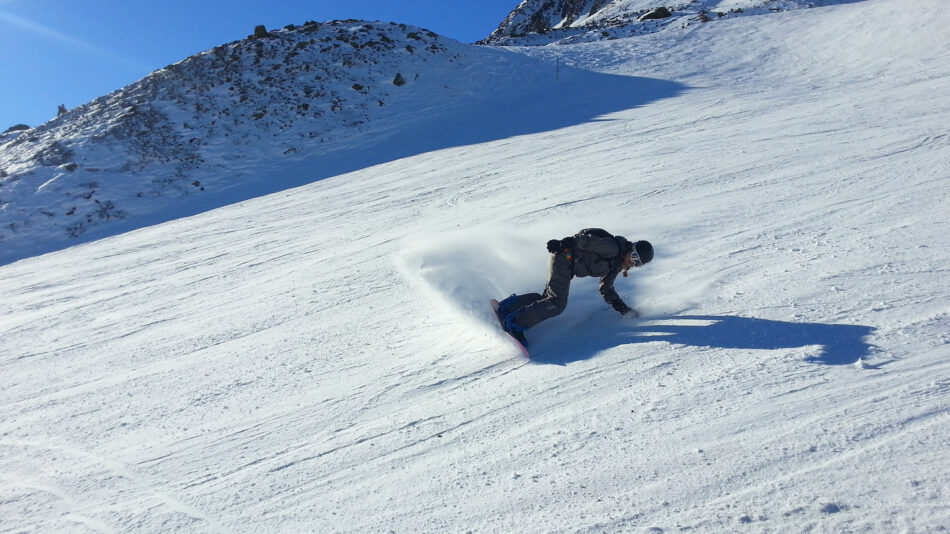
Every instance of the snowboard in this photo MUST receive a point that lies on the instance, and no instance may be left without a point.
(521, 347)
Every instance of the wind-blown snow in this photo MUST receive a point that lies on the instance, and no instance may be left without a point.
(316, 359)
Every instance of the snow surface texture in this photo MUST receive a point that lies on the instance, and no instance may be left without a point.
(318, 360)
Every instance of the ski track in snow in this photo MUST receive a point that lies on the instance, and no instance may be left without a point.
(323, 358)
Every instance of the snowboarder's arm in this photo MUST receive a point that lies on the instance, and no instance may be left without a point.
(610, 294)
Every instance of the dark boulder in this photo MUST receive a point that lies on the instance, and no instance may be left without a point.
(17, 128)
(655, 14)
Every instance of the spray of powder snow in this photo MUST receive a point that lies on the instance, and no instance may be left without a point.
(465, 269)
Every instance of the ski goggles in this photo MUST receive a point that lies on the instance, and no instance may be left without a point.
(635, 258)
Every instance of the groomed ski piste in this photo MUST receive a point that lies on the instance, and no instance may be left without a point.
(322, 358)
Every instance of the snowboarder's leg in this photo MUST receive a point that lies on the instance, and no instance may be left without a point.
(516, 302)
(554, 300)
(506, 312)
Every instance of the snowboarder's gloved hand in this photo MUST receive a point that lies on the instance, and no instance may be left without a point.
(624, 310)
(558, 245)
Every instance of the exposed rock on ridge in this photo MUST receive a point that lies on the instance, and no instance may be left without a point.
(540, 22)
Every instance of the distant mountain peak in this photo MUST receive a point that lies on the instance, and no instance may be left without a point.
(540, 22)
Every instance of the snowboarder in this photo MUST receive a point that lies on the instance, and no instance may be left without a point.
(590, 252)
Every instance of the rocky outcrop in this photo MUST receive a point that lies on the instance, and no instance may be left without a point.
(541, 22)
(655, 14)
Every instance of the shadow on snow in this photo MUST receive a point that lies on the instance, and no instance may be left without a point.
(841, 344)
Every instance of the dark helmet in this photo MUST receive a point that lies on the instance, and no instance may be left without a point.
(644, 250)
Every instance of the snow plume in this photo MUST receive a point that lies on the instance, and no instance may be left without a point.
(464, 269)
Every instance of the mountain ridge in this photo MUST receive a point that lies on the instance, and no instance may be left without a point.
(543, 22)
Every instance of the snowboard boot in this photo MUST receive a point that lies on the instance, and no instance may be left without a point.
(506, 318)
(515, 329)
(504, 307)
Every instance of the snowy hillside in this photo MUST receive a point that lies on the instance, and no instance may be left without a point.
(322, 359)
(252, 117)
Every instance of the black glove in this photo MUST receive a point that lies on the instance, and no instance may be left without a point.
(623, 309)
(560, 245)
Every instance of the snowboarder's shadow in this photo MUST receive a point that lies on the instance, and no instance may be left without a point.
(840, 344)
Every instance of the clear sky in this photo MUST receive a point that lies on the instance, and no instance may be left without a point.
(69, 52)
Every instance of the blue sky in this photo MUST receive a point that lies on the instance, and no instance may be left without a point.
(69, 52)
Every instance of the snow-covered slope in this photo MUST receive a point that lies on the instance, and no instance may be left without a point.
(322, 360)
(258, 116)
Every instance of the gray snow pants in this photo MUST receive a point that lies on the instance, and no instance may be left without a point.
(533, 308)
